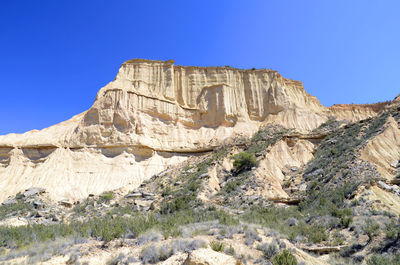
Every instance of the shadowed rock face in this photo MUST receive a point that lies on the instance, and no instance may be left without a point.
(154, 114)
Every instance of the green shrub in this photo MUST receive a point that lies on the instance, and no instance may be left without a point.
(19, 196)
(231, 186)
(284, 258)
(371, 229)
(381, 260)
(19, 208)
(392, 231)
(106, 197)
(244, 161)
(182, 202)
(337, 239)
(345, 215)
(346, 221)
(268, 250)
(153, 254)
(217, 246)
(166, 191)
(316, 233)
(230, 251)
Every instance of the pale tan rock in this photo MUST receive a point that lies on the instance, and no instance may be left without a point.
(383, 200)
(355, 112)
(282, 155)
(150, 117)
(384, 150)
(13, 221)
(207, 256)
(177, 259)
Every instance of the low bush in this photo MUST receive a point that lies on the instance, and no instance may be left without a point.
(180, 245)
(230, 251)
(268, 250)
(217, 246)
(384, 260)
(316, 233)
(115, 260)
(371, 228)
(251, 235)
(284, 258)
(106, 197)
(392, 231)
(153, 254)
(244, 161)
(231, 186)
(151, 236)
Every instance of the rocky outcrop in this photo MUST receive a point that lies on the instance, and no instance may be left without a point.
(154, 114)
(384, 150)
(356, 112)
(289, 153)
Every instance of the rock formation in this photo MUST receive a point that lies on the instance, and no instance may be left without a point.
(155, 114)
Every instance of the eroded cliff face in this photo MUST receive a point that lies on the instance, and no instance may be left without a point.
(153, 115)
(157, 104)
(383, 151)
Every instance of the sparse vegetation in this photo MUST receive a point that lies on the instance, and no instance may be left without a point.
(371, 228)
(230, 251)
(331, 162)
(275, 218)
(268, 250)
(231, 185)
(393, 231)
(185, 195)
(217, 246)
(106, 197)
(328, 214)
(266, 137)
(108, 228)
(151, 236)
(251, 236)
(328, 126)
(153, 254)
(20, 208)
(384, 260)
(284, 258)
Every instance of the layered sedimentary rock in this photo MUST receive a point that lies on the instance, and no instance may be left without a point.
(154, 114)
(383, 151)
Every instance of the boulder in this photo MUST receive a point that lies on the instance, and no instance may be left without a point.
(10, 201)
(147, 194)
(134, 195)
(384, 186)
(33, 191)
(66, 203)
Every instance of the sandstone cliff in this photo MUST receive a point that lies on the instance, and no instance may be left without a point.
(155, 114)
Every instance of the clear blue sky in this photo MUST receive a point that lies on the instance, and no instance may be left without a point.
(55, 55)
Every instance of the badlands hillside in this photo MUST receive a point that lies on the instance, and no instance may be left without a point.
(154, 115)
(204, 165)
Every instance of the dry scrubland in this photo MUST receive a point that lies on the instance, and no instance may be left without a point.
(266, 176)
